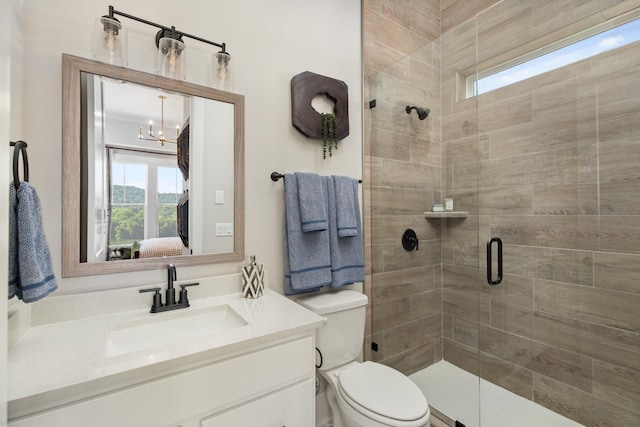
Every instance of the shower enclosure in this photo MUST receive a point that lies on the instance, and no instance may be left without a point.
(549, 164)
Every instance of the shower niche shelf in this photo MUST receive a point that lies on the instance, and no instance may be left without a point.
(440, 215)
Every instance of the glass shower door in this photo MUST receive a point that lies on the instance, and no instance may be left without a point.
(558, 176)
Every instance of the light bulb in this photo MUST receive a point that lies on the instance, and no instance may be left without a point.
(110, 41)
(222, 73)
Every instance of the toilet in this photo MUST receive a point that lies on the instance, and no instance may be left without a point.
(366, 394)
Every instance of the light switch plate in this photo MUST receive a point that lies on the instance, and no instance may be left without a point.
(219, 197)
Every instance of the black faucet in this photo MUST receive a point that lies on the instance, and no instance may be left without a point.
(170, 298)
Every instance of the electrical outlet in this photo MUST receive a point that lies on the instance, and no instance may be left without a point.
(224, 229)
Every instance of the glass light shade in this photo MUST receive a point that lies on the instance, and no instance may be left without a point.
(171, 58)
(110, 41)
(222, 77)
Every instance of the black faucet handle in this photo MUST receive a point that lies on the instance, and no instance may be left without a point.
(189, 284)
(157, 298)
(184, 299)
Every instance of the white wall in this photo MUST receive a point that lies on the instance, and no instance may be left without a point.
(10, 122)
(217, 176)
(270, 41)
(5, 119)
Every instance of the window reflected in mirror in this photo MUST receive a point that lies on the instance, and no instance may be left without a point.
(134, 216)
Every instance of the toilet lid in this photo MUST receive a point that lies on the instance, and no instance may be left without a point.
(383, 390)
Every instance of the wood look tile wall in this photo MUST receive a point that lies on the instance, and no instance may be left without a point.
(402, 67)
(551, 165)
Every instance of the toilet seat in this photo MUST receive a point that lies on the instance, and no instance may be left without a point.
(395, 399)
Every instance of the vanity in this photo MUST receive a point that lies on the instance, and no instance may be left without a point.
(101, 358)
(224, 361)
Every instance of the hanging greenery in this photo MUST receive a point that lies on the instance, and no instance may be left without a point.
(329, 134)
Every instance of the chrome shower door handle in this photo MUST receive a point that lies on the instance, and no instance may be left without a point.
(489, 261)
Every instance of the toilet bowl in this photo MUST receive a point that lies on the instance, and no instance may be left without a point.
(374, 395)
(366, 394)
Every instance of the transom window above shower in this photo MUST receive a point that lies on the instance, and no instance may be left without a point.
(585, 44)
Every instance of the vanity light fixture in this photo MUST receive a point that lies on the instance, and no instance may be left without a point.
(160, 138)
(110, 47)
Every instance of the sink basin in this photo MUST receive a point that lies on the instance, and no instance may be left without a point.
(169, 328)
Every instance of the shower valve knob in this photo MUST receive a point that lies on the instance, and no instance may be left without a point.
(410, 240)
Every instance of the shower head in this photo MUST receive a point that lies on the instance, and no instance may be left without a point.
(422, 112)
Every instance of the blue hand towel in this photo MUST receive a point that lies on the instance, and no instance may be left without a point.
(30, 271)
(347, 255)
(307, 259)
(346, 204)
(13, 242)
(313, 203)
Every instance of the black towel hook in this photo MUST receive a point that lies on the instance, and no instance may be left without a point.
(20, 147)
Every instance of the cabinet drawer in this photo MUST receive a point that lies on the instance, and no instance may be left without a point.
(291, 407)
(178, 397)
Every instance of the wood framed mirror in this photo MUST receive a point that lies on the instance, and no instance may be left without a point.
(153, 171)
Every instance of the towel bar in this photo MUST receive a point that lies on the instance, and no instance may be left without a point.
(275, 176)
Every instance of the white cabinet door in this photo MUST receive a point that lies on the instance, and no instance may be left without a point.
(291, 407)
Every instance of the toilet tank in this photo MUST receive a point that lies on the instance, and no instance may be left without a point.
(340, 339)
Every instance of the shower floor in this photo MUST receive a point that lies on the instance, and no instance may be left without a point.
(454, 392)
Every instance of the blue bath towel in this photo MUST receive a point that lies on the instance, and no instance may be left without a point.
(313, 203)
(347, 254)
(347, 213)
(307, 259)
(30, 271)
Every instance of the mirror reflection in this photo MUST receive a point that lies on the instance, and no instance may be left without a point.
(159, 172)
(139, 141)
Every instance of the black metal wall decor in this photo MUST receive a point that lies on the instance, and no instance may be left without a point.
(306, 86)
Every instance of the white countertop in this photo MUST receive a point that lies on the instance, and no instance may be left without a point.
(62, 362)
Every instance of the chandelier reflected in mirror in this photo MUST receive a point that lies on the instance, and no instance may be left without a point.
(160, 138)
